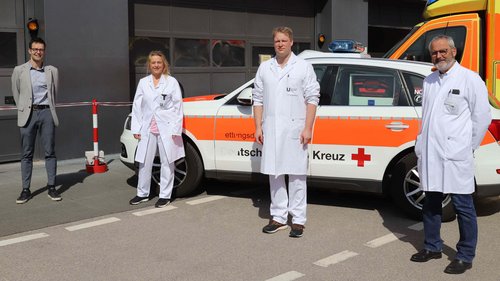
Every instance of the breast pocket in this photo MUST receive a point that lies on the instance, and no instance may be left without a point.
(294, 85)
(453, 104)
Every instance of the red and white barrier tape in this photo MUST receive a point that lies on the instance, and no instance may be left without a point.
(73, 104)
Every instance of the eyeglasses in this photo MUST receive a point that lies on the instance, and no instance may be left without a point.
(34, 50)
(441, 52)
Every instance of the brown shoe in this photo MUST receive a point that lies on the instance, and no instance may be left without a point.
(297, 230)
(273, 227)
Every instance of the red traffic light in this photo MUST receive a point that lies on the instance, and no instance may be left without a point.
(321, 40)
(32, 25)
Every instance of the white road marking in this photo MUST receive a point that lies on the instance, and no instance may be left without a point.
(339, 257)
(290, 275)
(23, 239)
(418, 226)
(384, 240)
(153, 211)
(92, 224)
(205, 200)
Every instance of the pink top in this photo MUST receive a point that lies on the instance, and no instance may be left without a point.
(153, 128)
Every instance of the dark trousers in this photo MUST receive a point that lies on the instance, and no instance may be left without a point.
(40, 121)
(467, 224)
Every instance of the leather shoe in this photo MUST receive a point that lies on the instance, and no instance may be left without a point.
(425, 255)
(457, 267)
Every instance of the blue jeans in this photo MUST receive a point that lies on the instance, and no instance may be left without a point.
(467, 224)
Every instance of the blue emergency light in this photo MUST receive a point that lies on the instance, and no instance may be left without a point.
(346, 46)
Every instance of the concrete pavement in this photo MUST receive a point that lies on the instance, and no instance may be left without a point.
(84, 195)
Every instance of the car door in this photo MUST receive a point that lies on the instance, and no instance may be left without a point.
(366, 117)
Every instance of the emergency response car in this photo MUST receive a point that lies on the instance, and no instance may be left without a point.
(363, 136)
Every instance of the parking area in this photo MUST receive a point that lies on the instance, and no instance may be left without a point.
(93, 234)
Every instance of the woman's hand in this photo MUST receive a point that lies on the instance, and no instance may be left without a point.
(137, 136)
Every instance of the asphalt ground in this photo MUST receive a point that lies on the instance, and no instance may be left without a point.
(94, 234)
(84, 195)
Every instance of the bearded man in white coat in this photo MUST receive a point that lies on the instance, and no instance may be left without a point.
(285, 97)
(455, 117)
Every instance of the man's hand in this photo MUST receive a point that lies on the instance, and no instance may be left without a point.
(305, 136)
(259, 137)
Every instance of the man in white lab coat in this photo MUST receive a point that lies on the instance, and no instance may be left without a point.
(285, 97)
(455, 117)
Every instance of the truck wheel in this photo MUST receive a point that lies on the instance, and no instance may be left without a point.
(407, 193)
(188, 172)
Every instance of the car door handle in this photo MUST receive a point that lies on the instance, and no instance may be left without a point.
(397, 126)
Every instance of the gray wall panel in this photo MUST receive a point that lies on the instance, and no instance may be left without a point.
(90, 48)
(227, 82)
(195, 84)
(219, 23)
(350, 20)
(152, 18)
(191, 21)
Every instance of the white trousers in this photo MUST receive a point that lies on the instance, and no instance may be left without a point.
(294, 202)
(166, 171)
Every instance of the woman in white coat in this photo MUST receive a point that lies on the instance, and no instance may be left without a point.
(157, 123)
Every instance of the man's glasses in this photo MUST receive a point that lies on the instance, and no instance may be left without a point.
(34, 50)
(441, 52)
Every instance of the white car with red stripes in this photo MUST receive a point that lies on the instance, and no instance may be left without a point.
(363, 137)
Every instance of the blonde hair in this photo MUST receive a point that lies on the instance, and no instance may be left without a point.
(285, 30)
(160, 54)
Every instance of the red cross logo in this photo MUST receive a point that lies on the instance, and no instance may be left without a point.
(361, 157)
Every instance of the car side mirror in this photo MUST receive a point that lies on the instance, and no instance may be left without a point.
(245, 97)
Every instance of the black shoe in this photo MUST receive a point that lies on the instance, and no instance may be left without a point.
(24, 197)
(297, 230)
(425, 255)
(457, 267)
(273, 227)
(162, 202)
(53, 194)
(137, 200)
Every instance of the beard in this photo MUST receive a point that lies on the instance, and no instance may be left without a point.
(444, 65)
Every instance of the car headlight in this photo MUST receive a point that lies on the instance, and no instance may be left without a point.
(128, 123)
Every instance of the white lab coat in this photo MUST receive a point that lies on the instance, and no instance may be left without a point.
(455, 117)
(284, 94)
(165, 103)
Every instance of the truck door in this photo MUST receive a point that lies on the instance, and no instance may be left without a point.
(465, 31)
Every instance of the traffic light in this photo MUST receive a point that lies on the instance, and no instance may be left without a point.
(33, 27)
(321, 40)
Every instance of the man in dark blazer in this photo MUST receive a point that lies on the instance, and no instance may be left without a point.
(34, 86)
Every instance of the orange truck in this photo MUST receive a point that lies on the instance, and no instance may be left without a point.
(473, 24)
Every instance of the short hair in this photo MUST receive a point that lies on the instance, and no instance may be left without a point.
(37, 40)
(451, 43)
(285, 30)
(160, 54)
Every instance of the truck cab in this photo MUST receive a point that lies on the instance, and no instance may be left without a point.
(472, 24)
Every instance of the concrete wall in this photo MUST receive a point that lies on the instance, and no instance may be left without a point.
(343, 19)
(88, 42)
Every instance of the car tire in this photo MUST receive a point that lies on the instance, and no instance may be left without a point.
(188, 173)
(407, 193)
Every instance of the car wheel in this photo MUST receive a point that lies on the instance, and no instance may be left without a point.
(407, 193)
(188, 172)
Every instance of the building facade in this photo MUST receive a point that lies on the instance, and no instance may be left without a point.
(100, 48)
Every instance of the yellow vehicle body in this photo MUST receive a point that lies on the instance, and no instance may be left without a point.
(472, 24)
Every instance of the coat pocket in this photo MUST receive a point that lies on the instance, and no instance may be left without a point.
(296, 127)
(458, 149)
